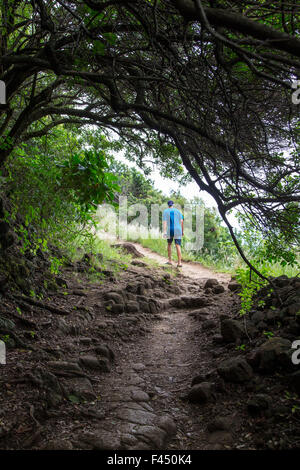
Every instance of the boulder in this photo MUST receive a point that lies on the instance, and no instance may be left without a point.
(258, 404)
(64, 367)
(234, 286)
(201, 393)
(257, 317)
(231, 330)
(220, 423)
(235, 370)
(218, 289)
(114, 296)
(132, 306)
(198, 379)
(208, 324)
(281, 281)
(106, 351)
(294, 381)
(57, 444)
(116, 308)
(194, 302)
(78, 388)
(95, 363)
(272, 355)
(211, 283)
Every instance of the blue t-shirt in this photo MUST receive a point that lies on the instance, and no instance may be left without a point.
(173, 217)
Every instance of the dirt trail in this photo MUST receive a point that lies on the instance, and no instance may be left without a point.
(159, 348)
(190, 269)
(158, 369)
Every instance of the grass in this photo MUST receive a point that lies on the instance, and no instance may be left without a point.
(112, 258)
(160, 246)
(229, 264)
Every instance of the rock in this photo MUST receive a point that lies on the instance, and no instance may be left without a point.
(85, 340)
(131, 288)
(194, 302)
(136, 262)
(281, 281)
(208, 324)
(102, 440)
(132, 306)
(95, 363)
(262, 325)
(167, 424)
(177, 302)
(64, 367)
(154, 436)
(116, 308)
(231, 330)
(294, 381)
(220, 424)
(217, 339)
(272, 355)
(153, 307)
(201, 393)
(272, 316)
(49, 382)
(114, 296)
(257, 317)
(144, 307)
(211, 283)
(293, 309)
(136, 416)
(218, 289)
(235, 370)
(198, 379)
(141, 289)
(219, 439)
(79, 387)
(293, 327)
(57, 444)
(139, 395)
(138, 366)
(234, 286)
(199, 313)
(258, 404)
(106, 351)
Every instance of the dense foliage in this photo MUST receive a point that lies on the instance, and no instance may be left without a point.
(202, 84)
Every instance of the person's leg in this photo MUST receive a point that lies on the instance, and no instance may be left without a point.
(170, 250)
(178, 249)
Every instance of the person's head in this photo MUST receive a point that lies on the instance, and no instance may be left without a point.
(170, 203)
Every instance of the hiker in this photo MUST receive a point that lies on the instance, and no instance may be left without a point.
(173, 228)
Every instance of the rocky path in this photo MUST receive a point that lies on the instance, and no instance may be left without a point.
(146, 360)
(146, 395)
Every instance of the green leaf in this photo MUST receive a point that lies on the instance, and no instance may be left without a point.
(74, 399)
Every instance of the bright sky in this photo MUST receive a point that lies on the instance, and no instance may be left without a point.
(188, 191)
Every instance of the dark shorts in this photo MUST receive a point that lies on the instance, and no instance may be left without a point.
(177, 241)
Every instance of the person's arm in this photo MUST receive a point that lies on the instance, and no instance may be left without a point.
(182, 226)
(165, 226)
